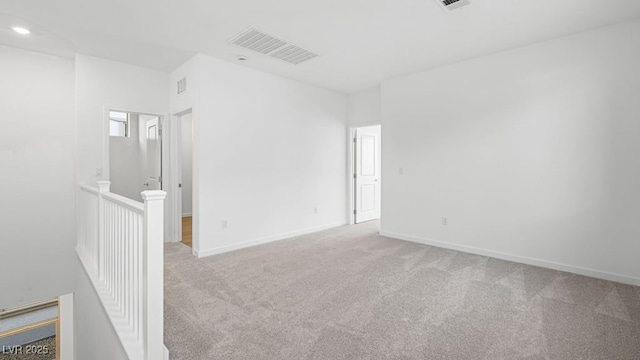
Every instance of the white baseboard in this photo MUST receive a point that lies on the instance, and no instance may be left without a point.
(166, 353)
(264, 240)
(517, 258)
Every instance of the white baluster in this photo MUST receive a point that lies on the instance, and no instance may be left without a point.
(138, 277)
(114, 253)
(103, 187)
(121, 244)
(118, 255)
(125, 260)
(125, 273)
(109, 244)
(81, 221)
(131, 271)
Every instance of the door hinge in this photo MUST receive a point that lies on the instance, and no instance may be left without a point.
(160, 132)
(354, 140)
(354, 212)
(160, 178)
(354, 176)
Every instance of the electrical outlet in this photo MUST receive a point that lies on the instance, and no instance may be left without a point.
(315, 210)
(400, 171)
(444, 221)
(223, 224)
(98, 171)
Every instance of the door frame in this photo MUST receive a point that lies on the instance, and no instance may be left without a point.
(351, 169)
(164, 150)
(174, 173)
(105, 139)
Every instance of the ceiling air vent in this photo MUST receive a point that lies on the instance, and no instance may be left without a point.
(258, 41)
(182, 85)
(449, 5)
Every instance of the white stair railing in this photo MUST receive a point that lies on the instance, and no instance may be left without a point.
(121, 246)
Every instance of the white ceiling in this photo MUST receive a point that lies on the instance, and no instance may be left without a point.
(360, 42)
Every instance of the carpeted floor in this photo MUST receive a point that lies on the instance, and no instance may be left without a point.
(348, 293)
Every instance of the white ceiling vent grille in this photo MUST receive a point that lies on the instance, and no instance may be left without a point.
(258, 41)
(182, 85)
(449, 5)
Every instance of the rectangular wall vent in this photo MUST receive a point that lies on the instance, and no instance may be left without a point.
(449, 5)
(263, 43)
(182, 85)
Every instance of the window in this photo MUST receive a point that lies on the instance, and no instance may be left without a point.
(118, 124)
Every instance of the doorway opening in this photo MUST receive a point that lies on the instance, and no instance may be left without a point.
(135, 153)
(185, 182)
(366, 175)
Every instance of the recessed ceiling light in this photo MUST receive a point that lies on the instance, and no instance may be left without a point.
(21, 30)
(242, 58)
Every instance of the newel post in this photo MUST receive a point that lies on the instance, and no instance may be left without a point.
(98, 256)
(153, 273)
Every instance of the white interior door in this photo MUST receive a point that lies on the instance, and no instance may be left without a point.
(154, 157)
(367, 174)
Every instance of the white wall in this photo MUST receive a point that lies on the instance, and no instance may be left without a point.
(125, 162)
(103, 85)
(95, 337)
(186, 150)
(532, 154)
(267, 152)
(37, 172)
(365, 107)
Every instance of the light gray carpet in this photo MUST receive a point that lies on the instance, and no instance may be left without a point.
(348, 293)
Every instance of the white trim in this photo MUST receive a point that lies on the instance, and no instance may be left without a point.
(187, 215)
(164, 151)
(177, 174)
(351, 205)
(174, 173)
(67, 347)
(165, 147)
(264, 240)
(517, 258)
(351, 218)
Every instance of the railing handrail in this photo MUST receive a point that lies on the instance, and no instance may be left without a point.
(89, 188)
(19, 310)
(123, 201)
(136, 206)
(120, 244)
